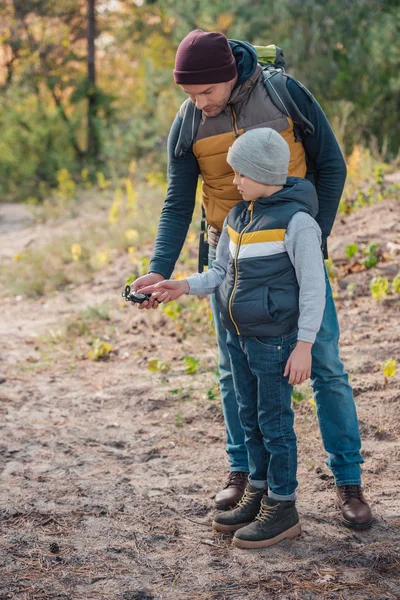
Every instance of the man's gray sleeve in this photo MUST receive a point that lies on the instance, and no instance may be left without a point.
(303, 245)
(205, 283)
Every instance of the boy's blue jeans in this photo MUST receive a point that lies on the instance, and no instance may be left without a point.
(332, 393)
(264, 398)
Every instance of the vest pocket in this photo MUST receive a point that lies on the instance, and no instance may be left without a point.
(253, 307)
(269, 307)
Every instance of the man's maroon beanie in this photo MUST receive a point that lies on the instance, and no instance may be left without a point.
(204, 58)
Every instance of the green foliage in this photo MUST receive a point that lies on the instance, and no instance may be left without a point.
(191, 364)
(389, 368)
(213, 392)
(349, 59)
(379, 287)
(372, 255)
(351, 250)
(155, 365)
(396, 284)
(297, 396)
(179, 419)
(100, 350)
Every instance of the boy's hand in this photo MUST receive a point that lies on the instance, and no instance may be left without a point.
(147, 280)
(298, 367)
(168, 290)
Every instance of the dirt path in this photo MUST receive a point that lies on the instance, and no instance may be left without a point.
(107, 471)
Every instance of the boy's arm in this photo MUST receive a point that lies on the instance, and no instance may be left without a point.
(303, 245)
(205, 283)
(179, 204)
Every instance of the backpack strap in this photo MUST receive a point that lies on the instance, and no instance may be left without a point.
(275, 83)
(190, 124)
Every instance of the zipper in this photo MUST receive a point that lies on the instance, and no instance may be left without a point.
(234, 122)
(235, 266)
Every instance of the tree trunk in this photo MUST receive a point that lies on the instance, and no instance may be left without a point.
(93, 146)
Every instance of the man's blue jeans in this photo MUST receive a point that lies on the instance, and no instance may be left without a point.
(333, 395)
(264, 398)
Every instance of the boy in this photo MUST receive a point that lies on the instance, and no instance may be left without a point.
(269, 281)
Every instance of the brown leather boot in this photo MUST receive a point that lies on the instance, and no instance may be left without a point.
(233, 490)
(355, 510)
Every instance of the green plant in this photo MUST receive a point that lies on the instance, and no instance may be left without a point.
(372, 255)
(389, 369)
(191, 364)
(379, 287)
(351, 250)
(99, 350)
(212, 393)
(313, 404)
(155, 365)
(396, 284)
(179, 419)
(297, 396)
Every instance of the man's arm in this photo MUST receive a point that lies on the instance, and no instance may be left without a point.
(326, 156)
(179, 204)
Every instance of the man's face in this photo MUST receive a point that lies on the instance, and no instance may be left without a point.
(212, 98)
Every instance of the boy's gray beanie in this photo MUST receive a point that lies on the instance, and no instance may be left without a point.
(262, 155)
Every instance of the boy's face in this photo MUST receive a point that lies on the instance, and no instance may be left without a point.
(248, 188)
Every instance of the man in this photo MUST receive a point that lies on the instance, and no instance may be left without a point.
(224, 80)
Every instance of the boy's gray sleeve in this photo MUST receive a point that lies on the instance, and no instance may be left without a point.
(303, 245)
(205, 283)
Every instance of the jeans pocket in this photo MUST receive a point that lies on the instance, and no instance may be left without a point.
(265, 342)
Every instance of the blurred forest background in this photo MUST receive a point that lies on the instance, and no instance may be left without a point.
(111, 423)
(87, 86)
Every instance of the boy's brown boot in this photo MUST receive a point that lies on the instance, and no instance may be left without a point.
(244, 513)
(233, 490)
(275, 522)
(356, 513)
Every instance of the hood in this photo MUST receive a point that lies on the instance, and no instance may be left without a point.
(295, 190)
(246, 59)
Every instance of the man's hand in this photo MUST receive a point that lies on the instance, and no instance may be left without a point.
(298, 367)
(168, 290)
(146, 280)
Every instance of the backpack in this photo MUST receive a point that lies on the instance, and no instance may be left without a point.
(272, 61)
(273, 65)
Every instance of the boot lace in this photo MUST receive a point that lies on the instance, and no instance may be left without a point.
(247, 497)
(236, 478)
(352, 491)
(266, 513)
